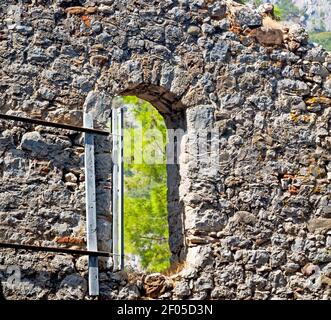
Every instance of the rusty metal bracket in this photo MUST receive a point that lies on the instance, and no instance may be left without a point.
(17, 246)
(53, 124)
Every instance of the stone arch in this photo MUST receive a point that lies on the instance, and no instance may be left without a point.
(174, 113)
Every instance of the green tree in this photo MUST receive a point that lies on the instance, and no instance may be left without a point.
(277, 12)
(286, 9)
(322, 38)
(145, 201)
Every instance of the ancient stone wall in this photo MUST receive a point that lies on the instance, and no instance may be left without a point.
(254, 221)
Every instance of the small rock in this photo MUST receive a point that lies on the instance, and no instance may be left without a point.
(193, 30)
(217, 10)
(33, 141)
(319, 224)
(248, 18)
(293, 86)
(291, 267)
(73, 287)
(207, 28)
(62, 263)
(266, 8)
(81, 10)
(322, 256)
(310, 269)
(293, 45)
(70, 177)
(244, 217)
(189, 273)
(154, 285)
(220, 52)
(130, 292)
(268, 36)
(182, 289)
(105, 9)
(317, 54)
(98, 60)
(204, 282)
(82, 264)
(199, 256)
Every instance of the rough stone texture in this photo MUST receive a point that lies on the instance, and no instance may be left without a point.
(252, 224)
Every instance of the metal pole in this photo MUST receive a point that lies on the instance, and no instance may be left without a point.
(121, 189)
(115, 201)
(91, 216)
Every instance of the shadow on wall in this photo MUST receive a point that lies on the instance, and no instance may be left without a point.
(2, 297)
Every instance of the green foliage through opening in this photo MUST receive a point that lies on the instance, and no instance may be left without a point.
(146, 229)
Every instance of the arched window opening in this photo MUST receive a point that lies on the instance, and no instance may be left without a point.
(153, 228)
(146, 230)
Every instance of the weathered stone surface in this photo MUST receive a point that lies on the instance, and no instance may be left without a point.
(129, 293)
(198, 257)
(33, 141)
(72, 287)
(268, 36)
(182, 289)
(193, 30)
(319, 224)
(251, 223)
(204, 282)
(243, 217)
(154, 285)
(293, 86)
(248, 18)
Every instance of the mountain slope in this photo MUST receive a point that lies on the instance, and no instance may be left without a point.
(314, 15)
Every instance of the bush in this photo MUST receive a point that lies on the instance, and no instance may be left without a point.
(145, 198)
(322, 38)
